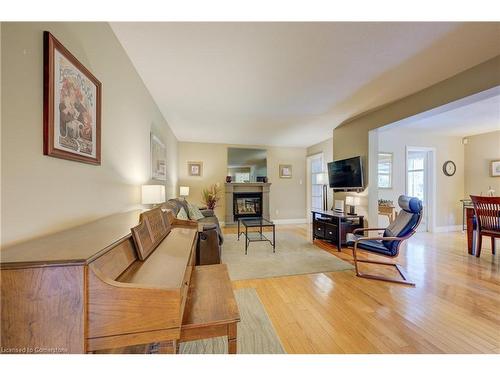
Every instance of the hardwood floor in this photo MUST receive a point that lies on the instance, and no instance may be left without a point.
(454, 308)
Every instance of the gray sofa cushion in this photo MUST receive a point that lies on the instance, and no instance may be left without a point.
(209, 216)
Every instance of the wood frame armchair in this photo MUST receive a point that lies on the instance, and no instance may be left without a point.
(386, 245)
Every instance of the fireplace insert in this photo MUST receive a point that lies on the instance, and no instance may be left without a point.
(247, 205)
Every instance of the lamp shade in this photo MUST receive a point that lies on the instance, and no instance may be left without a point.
(183, 191)
(153, 194)
(352, 201)
(321, 179)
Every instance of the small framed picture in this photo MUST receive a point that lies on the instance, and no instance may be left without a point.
(285, 171)
(495, 168)
(195, 168)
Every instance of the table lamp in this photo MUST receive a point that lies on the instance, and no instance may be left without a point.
(153, 194)
(184, 191)
(352, 202)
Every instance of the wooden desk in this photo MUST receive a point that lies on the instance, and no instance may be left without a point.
(87, 289)
(211, 309)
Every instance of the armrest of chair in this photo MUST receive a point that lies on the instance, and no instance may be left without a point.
(378, 238)
(366, 229)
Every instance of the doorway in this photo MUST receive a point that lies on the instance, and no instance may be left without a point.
(315, 167)
(420, 181)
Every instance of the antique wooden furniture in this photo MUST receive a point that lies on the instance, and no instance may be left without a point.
(211, 308)
(487, 214)
(333, 226)
(90, 288)
(388, 244)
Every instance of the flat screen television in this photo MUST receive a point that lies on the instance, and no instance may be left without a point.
(346, 174)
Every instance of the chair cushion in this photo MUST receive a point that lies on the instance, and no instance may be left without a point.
(410, 204)
(370, 245)
(376, 247)
(405, 222)
(194, 212)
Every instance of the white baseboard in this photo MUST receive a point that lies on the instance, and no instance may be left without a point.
(289, 221)
(448, 228)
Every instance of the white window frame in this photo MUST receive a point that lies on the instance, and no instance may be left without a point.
(390, 173)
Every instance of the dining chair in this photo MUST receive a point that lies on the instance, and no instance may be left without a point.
(487, 213)
(403, 227)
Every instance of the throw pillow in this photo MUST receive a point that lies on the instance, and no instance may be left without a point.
(194, 212)
(182, 215)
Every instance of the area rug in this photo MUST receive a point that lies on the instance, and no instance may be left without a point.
(256, 334)
(294, 256)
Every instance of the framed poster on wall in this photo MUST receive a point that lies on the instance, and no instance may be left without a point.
(72, 106)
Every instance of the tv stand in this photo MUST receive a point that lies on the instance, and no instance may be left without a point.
(333, 226)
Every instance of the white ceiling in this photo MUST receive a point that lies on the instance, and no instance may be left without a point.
(479, 117)
(290, 84)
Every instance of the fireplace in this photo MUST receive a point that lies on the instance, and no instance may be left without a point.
(254, 198)
(247, 205)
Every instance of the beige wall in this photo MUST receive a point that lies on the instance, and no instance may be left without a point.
(287, 196)
(42, 194)
(480, 150)
(449, 189)
(351, 137)
(326, 148)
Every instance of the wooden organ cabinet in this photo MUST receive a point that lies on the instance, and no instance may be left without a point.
(127, 279)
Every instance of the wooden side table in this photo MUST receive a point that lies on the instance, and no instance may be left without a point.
(211, 309)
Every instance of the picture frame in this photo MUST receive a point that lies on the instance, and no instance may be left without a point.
(285, 170)
(71, 106)
(495, 168)
(158, 158)
(195, 168)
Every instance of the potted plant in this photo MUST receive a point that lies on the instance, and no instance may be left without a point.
(211, 196)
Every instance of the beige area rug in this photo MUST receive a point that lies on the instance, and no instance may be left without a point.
(294, 256)
(256, 334)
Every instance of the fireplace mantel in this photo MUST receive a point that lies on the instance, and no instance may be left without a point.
(246, 187)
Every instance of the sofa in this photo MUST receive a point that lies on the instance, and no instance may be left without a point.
(209, 248)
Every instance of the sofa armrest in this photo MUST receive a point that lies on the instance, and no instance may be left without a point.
(208, 249)
(209, 226)
(207, 212)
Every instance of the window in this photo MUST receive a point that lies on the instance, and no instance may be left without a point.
(416, 174)
(385, 170)
(316, 189)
